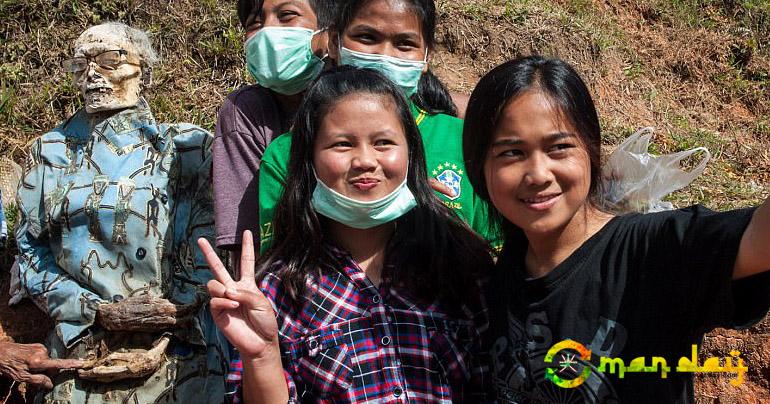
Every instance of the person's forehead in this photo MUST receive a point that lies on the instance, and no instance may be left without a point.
(274, 5)
(99, 39)
(396, 17)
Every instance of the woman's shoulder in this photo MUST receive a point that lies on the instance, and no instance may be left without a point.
(440, 120)
(250, 101)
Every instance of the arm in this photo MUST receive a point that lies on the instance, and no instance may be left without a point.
(753, 253)
(246, 317)
(21, 362)
(50, 287)
(3, 225)
(236, 159)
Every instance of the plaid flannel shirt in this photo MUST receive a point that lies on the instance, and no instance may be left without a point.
(350, 341)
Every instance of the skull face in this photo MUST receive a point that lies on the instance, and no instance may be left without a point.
(108, 88)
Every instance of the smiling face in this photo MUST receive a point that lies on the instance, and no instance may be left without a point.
(107, 88)
(360, 150)
(537, 171)
(386, 27)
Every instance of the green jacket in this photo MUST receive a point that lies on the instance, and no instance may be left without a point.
(442, 139)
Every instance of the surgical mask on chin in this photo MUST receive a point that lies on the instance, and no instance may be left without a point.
(282, 59)
(405, 73)
(360, 214)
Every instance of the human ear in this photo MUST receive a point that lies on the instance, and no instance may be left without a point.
(334, 48)
(321, 43)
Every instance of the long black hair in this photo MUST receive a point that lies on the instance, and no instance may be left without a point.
(558, 81)
(432, 95)
(433, 252)
(324, 11)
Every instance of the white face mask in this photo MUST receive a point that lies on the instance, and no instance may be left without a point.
(282, 59)
(403, 72)
(107, 89)
(360, 214)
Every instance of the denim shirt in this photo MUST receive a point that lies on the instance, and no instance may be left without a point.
(110, 208)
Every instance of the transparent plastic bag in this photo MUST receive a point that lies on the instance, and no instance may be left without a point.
(635, 180)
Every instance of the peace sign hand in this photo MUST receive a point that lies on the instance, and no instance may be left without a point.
(240, 310)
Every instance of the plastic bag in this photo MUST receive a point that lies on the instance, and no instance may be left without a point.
(634, 180)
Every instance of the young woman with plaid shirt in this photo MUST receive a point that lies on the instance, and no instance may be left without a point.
(369, 291)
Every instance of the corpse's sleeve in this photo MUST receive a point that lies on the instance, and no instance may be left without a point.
(709, 246)
(236, 160)
(3, 225)
(53, 290)
(193, 212)
(271, 182)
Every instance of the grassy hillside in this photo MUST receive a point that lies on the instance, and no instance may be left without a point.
(698, 71)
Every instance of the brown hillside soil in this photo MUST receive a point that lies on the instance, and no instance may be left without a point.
(699, 72)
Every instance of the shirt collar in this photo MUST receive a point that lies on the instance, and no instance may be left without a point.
(82, 124)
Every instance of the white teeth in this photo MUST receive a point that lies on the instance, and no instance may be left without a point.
(539, 200)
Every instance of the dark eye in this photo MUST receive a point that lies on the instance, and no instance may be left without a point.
(287, 15)
(561, 148)
(515, 153)
(407, 45)
(365, 38)
(384, 142)
(342, 144)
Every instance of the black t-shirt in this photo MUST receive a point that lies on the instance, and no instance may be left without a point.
(643, 286)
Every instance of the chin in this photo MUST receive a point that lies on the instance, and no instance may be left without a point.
(101, 106)
(541, 225)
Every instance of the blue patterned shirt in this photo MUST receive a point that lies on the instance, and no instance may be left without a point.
(110, 208)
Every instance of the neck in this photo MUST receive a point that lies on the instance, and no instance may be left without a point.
(97, 117)
(366, 246)
(549, 249)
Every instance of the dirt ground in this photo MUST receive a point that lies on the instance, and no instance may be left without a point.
(698, 71)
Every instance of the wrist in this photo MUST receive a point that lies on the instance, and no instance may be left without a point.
(269, 357)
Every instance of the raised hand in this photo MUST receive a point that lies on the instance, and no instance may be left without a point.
(240, 310)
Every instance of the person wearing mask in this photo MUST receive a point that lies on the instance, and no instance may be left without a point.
(285, 47)
(396, 38)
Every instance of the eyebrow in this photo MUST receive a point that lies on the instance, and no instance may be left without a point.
(288, 2)
(517, 141)
(368, 28)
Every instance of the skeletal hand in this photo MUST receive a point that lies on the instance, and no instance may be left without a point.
(126, 365)
(27, 363)
(143, 313)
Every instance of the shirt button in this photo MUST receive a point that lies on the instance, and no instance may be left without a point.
(163, 199)
(385, 340)
(397, 392)
(376, 299)
(140, 253)
(313, 344)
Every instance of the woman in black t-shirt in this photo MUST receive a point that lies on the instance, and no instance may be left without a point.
(580, 293)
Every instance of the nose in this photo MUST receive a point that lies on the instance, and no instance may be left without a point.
(538, 172)
(365, 159)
